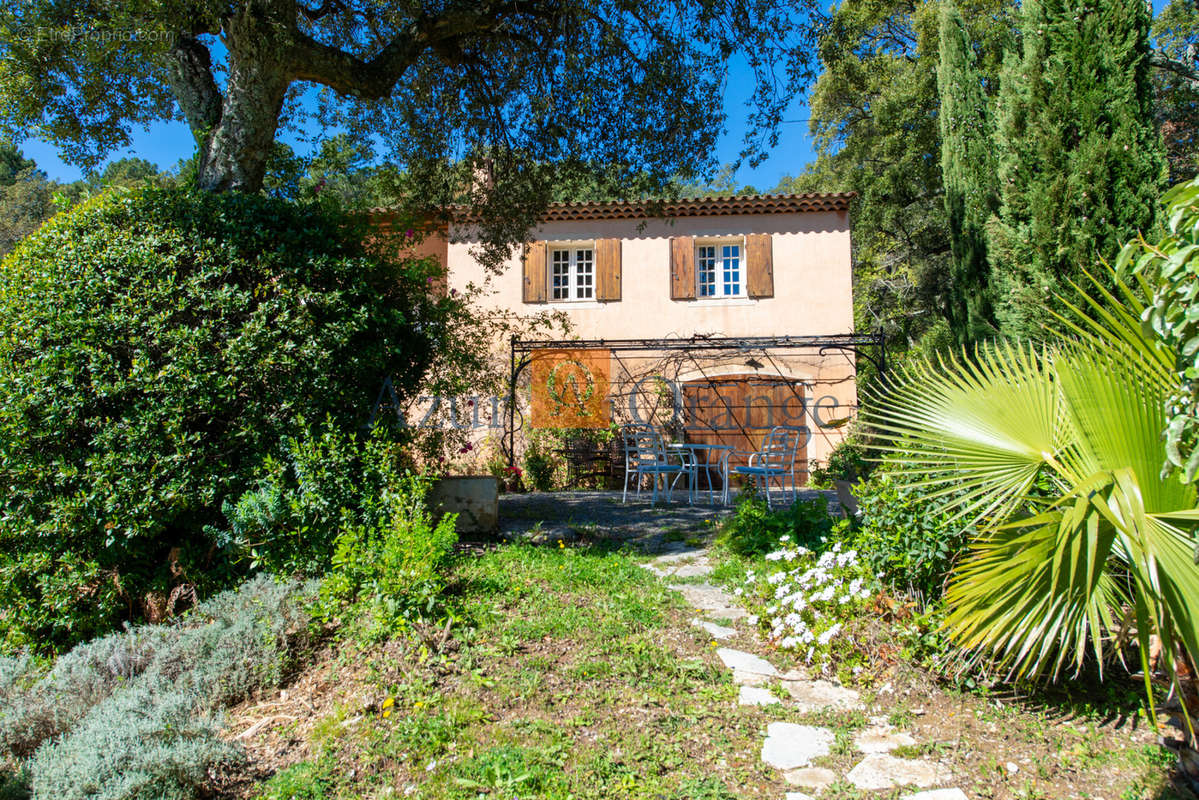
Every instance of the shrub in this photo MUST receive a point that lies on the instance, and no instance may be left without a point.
(1170, 269)
(241, 642)
(906, 537)
(388, 568)
(144, 743)
(14, 785)
(155, 347)
(804, 599)
(754, 529)
(540, 465)
(238, 643)
(847, 462)
(34, 709)
(323, 479)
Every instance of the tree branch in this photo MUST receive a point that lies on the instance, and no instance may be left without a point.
(1174, 66)
(326, 8)
(374, 79)
(189, 67)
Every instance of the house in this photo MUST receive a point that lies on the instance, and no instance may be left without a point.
(716, 318)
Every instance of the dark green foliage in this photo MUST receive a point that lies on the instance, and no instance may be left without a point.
(847, 462)
(12, 163)
(906, 537)
(1176, 98)
(875, 117)
(540, 465)
(536, 96)
(968, 175)
(322, 480)
(156, 347)
(27, 199)
(755, 529)
(1170, 267)
(14, 785)
(1081, 163)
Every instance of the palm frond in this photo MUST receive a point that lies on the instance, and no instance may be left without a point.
(978, 430)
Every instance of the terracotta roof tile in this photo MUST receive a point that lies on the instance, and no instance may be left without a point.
(701, 206)
(691, 207)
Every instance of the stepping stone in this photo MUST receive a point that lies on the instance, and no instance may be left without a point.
(821, 695)
(695, 570)
(755, 696)
(690, 564)
(937, 794)
(743, 678)
(881, 739)
(679, 551)
(788, 745)
(711, 599)
(812, 778)
(714, 630)
(798, 796)
(739, 661)
(881, 771)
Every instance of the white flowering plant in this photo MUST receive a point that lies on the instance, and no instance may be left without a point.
(806, 601)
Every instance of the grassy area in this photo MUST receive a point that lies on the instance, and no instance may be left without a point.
(574, 673)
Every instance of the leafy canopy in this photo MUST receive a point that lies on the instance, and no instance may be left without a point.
(498, 102)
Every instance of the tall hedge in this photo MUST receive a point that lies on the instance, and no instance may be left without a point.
(1081, 161)
(155, 346)
(968, 174)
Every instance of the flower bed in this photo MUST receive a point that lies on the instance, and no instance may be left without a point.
(803, 599)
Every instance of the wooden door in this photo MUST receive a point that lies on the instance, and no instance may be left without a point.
(739, 410)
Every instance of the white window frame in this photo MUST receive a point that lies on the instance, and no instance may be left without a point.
(578, 271)
(724, 279)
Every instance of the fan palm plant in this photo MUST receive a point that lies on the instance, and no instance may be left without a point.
(1054, 452)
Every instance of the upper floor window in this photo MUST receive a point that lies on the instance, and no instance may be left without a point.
(568, 271)
(718, 270)
(572, 273)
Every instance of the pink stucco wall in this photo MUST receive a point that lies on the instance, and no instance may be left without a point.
(812, 294)
(812, 291)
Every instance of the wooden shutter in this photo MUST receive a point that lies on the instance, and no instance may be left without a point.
(759, 258)
(682, 268)
(536, 284)
(607, 267)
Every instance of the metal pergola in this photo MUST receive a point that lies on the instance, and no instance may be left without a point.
(871, 347)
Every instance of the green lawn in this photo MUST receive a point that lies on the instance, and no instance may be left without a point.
(574, 673)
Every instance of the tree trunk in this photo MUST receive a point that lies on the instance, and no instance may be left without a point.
(234, 154)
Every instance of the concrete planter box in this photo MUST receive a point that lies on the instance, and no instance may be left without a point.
(474, 498)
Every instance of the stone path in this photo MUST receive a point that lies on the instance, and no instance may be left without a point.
(575, 516)
(789, 747)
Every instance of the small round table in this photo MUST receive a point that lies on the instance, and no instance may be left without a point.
(718, 455)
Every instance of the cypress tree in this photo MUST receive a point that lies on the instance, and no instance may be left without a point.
(968, 174)
(1081, 163)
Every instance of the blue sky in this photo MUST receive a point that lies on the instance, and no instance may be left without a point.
(166, 144)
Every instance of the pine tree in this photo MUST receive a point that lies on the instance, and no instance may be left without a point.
(1081, 162)
(968, 174)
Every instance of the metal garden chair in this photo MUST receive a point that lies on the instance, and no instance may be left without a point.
(645, 454)
(776, 459)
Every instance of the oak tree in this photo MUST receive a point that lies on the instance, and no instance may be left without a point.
(510, 99)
